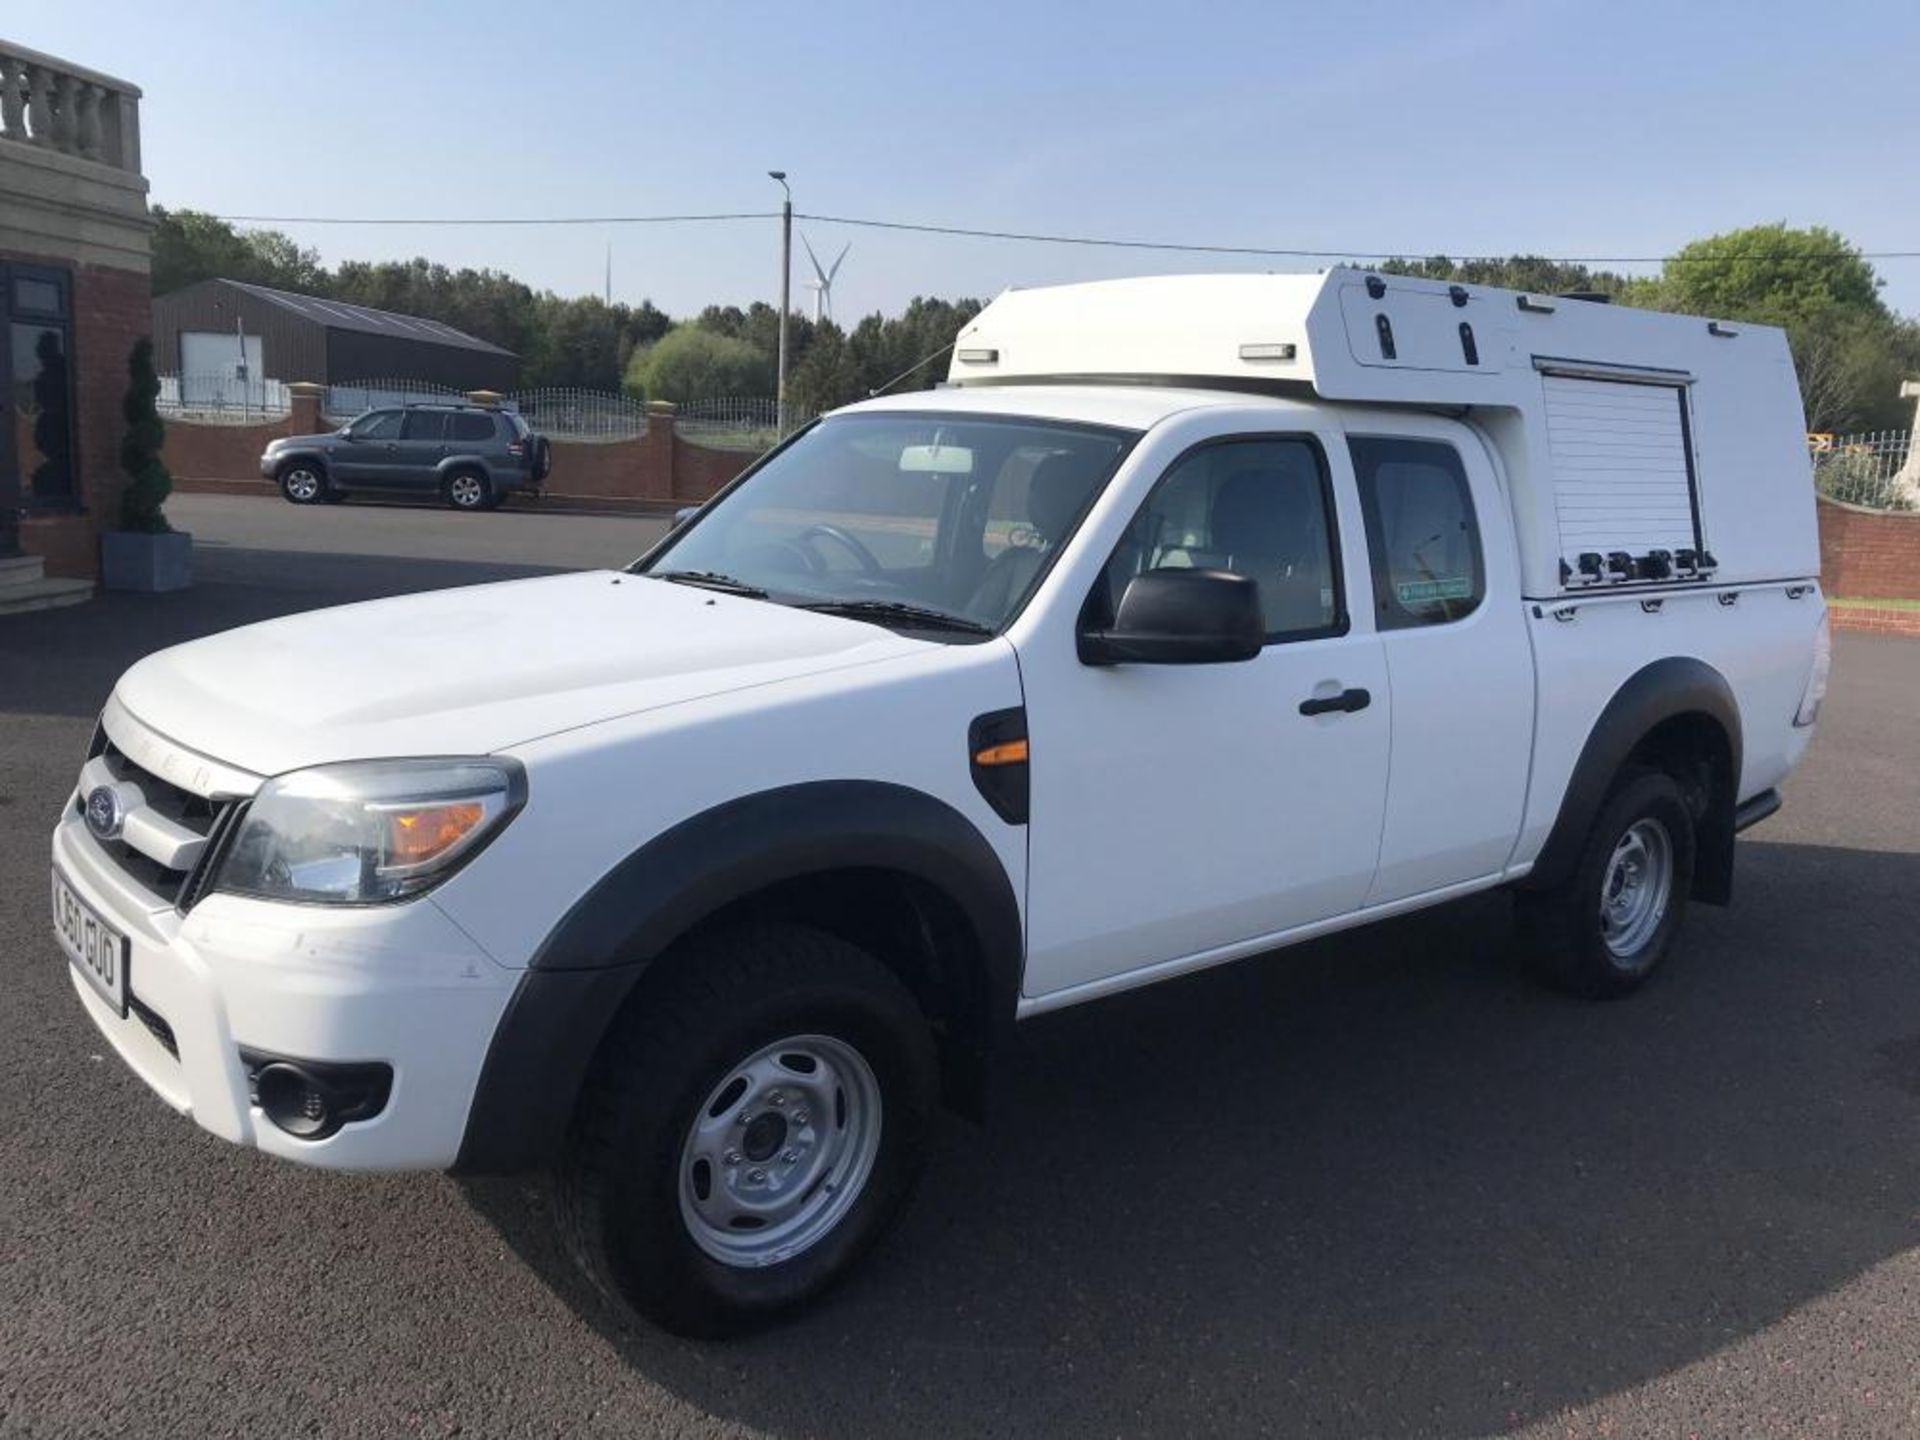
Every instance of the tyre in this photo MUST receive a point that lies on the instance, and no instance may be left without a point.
(303, 482)
(748, 1133)
(1605, 931)
(469, 490)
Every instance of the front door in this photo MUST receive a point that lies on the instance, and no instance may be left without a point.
(369, 450)
(1181, 809)
(37, 458)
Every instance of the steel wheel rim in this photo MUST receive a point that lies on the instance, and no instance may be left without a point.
(1637, 888)
(780, 1151)
(303, 484)
(466, 490)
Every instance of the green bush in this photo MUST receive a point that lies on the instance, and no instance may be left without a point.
(689, 363)
(148, 483)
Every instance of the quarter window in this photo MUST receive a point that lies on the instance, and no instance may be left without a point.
(1258, 508)
(1422, 538)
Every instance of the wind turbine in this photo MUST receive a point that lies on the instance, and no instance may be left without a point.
(822, 283)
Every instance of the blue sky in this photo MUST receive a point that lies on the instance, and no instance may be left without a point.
(1557, 128)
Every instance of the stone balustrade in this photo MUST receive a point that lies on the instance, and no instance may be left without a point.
(59, 106)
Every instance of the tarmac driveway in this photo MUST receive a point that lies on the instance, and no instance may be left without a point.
(1374, 1185)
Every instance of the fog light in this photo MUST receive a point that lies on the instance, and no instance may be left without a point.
(312, 1099)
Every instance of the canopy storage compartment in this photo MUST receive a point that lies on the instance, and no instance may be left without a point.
(1623, 480)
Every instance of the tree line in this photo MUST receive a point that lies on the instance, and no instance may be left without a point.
(1850, 349)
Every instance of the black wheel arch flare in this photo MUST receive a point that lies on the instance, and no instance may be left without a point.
(598, 953)
(1664, 691)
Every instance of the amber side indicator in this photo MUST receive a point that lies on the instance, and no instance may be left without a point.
(1010, 752)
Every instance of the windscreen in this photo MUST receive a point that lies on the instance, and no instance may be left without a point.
(954, 515)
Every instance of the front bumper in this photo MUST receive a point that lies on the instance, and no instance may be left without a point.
(396, 984)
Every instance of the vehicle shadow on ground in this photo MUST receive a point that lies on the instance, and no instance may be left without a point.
(64, 662)
(1377, 1184)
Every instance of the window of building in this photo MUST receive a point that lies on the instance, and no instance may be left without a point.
(1422, 539)
(39, 377)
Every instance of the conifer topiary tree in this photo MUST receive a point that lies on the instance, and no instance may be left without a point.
(148, 484)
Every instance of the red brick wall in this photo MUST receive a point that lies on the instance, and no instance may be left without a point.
(111, 309)
(1869, 554)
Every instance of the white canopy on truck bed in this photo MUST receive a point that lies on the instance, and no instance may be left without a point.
(1639, 448)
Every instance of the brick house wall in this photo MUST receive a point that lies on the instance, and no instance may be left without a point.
(111, 310)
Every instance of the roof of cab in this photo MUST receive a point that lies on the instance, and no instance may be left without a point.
(1128, 407)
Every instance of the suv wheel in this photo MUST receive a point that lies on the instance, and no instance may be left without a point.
(750, 1132)
(469, 490)
(303, 482)
(1605, 931)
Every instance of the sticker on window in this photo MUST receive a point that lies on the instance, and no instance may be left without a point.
(1422, 592)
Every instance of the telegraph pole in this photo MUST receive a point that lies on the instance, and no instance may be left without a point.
(786, 283)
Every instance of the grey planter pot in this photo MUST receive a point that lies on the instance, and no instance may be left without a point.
(149, 564)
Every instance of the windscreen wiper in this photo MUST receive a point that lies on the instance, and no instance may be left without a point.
(911, 616)
(710, 580)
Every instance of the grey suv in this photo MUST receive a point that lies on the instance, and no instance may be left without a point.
(469, 455)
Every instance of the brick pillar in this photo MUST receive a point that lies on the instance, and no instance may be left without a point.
(307, 400)
(659, 453)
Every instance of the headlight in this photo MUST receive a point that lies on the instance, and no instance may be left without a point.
(367, 832)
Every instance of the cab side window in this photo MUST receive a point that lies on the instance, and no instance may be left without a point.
(1422, 538)
(381, 425)
(1259, 508)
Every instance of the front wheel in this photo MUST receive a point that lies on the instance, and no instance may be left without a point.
(1605, 930)
(302, 482)
(749, 1131)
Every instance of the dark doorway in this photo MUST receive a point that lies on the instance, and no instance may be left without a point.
(37, 460)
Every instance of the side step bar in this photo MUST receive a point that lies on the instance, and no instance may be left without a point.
(1751, 812)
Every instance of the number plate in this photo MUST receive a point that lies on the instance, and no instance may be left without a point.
(97, 950)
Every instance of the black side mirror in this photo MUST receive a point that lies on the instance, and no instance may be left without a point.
(1181, 617)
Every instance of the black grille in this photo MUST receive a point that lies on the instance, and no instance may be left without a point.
(211, 818)
(155, 1022)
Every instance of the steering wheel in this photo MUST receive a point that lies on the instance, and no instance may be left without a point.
(847, 542)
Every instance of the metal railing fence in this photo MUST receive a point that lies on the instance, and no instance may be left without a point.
(1868, 469)
(222, 399)
(735, 422)
(570, 413)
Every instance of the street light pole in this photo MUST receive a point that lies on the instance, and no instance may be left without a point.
(786, 300)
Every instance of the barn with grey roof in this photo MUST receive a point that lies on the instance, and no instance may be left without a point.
(215, 325)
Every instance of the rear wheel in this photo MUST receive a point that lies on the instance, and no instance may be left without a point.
(750, 1131)
(469, 490)
(302, 482)
(1606, 929)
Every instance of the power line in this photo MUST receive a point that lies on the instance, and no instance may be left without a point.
(1045, 238)
(493, 219)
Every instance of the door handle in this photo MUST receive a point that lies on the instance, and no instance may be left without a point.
(1345, 703)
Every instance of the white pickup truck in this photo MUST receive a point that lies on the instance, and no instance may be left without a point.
(1197, 616)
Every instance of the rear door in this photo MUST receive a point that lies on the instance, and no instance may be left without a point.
(1445, 582)
(423, 444)
(1178, 810)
